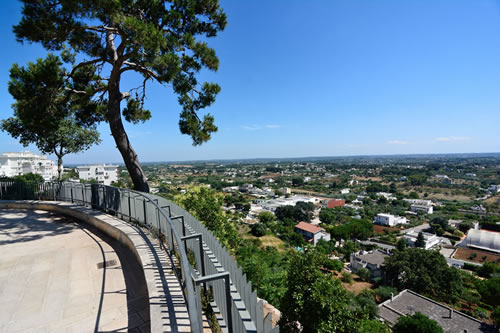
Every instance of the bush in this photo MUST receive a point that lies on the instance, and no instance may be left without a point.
(470, 267)
(418, 323)
(258, 230)
(384, 293)
(480, 313)
(347, 277)
(364, 274)
(334, 265)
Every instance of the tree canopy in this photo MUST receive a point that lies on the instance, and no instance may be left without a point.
(206, 205)
(425, 272)
(417, 323)
(317, 301)
(101, 41)
(302, 211)
(46, 117)
(354, 229)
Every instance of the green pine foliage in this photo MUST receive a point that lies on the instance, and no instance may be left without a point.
(96, 43)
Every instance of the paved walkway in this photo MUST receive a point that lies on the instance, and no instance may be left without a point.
(60, 276)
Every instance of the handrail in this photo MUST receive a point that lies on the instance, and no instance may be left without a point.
(238, 310)
(186, 269)
(185, 266)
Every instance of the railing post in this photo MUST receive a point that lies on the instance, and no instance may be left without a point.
(229, 303)
(71, 189)
(183, 225)
(105, 206)
(198, 237)
(169, 213)
(144, 206)
(129, 208)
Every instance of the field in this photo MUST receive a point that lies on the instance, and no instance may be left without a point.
(267, 240)
(468, 255)
(440, 194)
(379, 229)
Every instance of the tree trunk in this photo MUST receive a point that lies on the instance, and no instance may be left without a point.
(122, 143)
(59, 167)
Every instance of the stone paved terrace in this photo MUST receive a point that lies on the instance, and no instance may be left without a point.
(52, 277)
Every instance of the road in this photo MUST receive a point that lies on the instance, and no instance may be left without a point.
(417, 229)
(381, 245)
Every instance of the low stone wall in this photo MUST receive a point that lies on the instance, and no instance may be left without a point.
(168, 310)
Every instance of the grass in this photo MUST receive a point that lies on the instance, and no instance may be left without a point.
(267, 240)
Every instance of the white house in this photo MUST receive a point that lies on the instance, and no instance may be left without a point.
(344, 191)
(103, 173)
(429, 239)
(428, 209)
(389, 220)
(494, 188)
(311, 233)
(15, 164)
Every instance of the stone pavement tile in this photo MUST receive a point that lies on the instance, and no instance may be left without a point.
(49, 280)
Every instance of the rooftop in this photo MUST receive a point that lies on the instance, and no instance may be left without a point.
(373, 257)
(309, 227)
(408, 302)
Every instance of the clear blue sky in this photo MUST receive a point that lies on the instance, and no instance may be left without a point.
(325, 78)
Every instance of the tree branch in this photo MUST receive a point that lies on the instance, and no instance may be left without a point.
(86, 63)
(83, 92)
(139, 68)
(74, 91)
(100, 28)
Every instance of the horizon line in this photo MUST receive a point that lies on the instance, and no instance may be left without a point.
(121, 163)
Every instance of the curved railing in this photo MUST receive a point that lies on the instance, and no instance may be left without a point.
(204, 264)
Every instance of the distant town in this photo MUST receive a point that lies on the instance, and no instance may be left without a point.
(359, 212)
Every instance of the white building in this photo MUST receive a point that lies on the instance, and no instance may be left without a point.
(15, 164)
(494, 188)
(103, 173)
(344, 191)
(386, 195)
(422, 208)
(311, 233)
(429, 239)
(389, 220)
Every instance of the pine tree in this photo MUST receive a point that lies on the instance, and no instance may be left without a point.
(160, 40)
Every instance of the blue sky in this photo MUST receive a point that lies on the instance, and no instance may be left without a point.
(324, 78)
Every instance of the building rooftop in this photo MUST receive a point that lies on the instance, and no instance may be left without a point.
(373, 257)
(408, 302)
(97, 165)
(483, 239)
(309, 227)
(22, 154)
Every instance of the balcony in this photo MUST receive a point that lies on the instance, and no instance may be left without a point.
(137, 232)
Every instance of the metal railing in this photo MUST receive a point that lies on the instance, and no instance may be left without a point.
(204, 264)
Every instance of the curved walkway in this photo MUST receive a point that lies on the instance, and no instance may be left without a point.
(57, 275)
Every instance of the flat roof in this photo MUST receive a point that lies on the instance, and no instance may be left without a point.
(373, 257)
(409, 302)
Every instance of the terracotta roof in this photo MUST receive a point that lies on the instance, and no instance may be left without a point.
(309, 227)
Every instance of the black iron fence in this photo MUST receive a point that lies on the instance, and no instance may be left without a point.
(209, 267)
